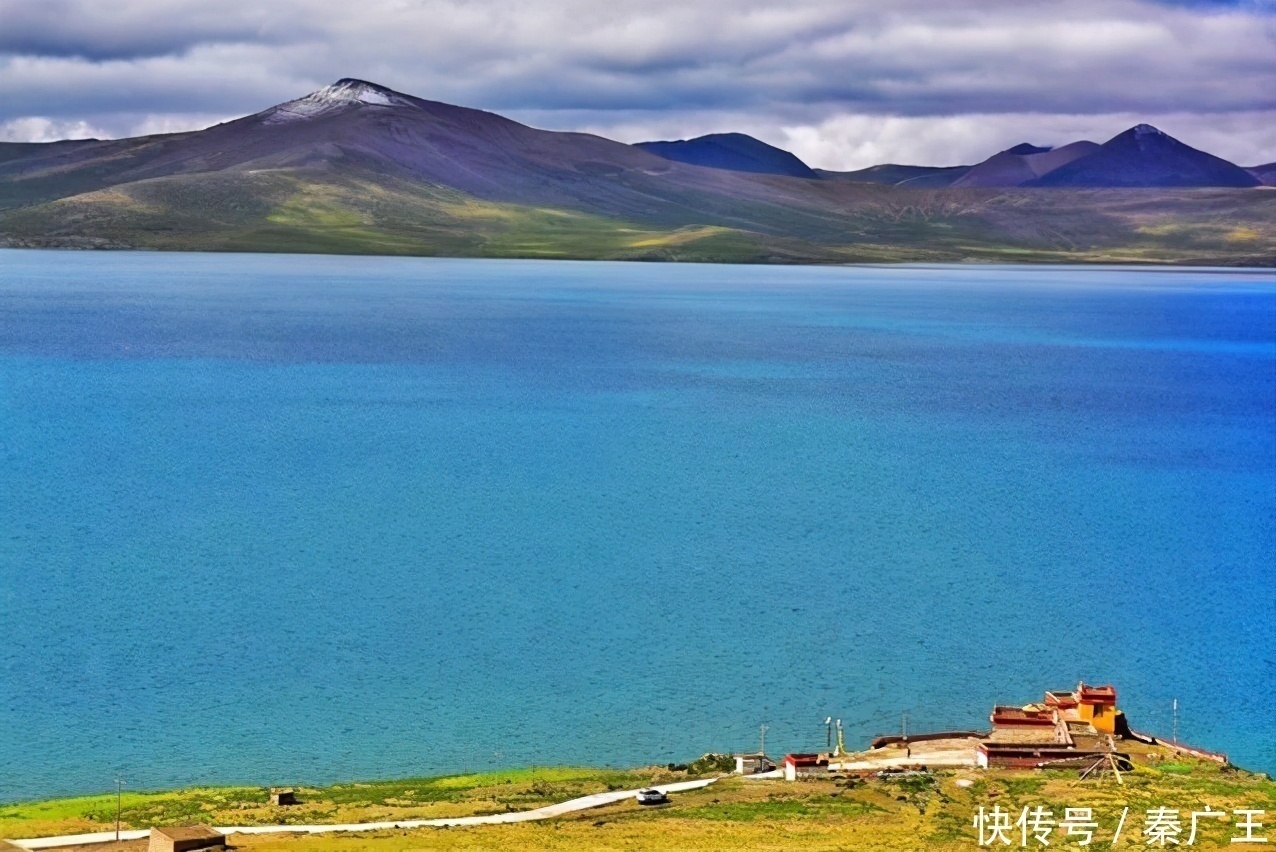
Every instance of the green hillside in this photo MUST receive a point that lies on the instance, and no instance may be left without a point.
(316, 210)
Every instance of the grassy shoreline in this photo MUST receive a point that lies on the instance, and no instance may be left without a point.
(360, 801)
(920, 812)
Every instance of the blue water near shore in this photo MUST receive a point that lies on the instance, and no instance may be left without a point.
(278, 519)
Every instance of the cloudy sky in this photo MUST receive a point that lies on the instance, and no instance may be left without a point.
(842, 83)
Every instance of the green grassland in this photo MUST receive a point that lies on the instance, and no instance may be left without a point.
(283, 212)
(914, 813)
(325, 211)
(371, 801)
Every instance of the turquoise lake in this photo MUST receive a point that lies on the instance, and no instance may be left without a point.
(281, 519)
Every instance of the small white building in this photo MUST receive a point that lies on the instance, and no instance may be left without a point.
(752, 764)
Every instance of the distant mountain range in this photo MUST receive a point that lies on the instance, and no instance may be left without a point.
(1140, 157)
(1023, 165)
(356, 167)
(733, 151)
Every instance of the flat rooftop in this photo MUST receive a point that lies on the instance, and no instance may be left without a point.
(188, 832)
(1021, 716)
(1023, 736)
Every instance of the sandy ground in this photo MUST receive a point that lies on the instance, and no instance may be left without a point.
(949, 754)
(957, 753)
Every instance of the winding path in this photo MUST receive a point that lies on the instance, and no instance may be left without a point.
(547, 812)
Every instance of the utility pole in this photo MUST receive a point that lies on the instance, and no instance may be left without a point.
(1176, 721)
(119, 795)
(828, 732)
(903, 724)
(762, 745)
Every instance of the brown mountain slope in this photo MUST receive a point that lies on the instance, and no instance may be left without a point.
(357, 127)
(1016, 169)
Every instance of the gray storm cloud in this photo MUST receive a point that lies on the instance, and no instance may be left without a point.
(843, 84)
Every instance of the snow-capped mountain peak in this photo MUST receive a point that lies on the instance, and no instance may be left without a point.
(341, 94)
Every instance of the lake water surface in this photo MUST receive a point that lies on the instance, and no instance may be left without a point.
(274, 519)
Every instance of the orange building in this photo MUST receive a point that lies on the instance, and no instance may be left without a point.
(1097, 705)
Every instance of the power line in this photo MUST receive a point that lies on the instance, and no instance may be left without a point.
(119, 795)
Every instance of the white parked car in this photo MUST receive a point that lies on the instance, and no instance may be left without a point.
(651, 797)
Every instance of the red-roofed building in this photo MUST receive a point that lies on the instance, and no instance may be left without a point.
(804, 765)
(1061, 699)
(1032, 716)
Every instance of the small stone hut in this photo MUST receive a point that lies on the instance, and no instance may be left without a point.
(185, 838)
(283, 796)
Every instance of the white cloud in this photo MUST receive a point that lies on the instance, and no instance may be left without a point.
(174, 123)
(843, 81)
(37, 128)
